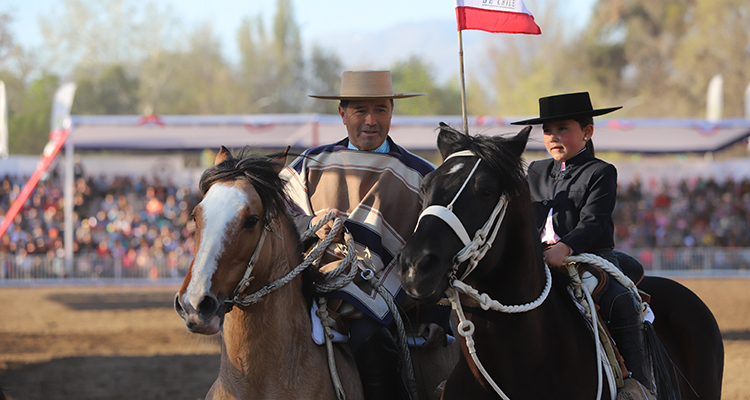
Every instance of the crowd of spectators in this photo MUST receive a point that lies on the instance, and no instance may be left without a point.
(136, 228)
(123, 227)
(693, 212)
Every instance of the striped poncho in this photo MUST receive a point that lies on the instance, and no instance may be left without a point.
(378, 193)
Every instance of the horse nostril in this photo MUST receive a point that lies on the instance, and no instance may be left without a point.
(177, 305)
(208, 306)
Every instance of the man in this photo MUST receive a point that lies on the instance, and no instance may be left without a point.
(375, 184)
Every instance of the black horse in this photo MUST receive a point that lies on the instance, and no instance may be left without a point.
(548, 352)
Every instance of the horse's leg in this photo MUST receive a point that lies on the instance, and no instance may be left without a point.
(432, 366)
(691, 336)
(347, 370)
(462, 384)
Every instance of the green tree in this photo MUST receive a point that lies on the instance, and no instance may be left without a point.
(415, 75)
(272, 66)
(112, 92)
(325, 78)
(97, 33)
(663, 54)
(6, 37)
(14, 87)
(196, 81)
(526, 67)
(716, 41)
(28, 128)
(646, 35)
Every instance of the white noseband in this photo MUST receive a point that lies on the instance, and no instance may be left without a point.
(476, 248)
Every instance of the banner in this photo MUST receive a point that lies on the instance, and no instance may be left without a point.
(61, 105)
(715, 98)
(496, 16)
(3, 123)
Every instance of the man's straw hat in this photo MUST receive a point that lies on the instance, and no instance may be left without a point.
(366, 85)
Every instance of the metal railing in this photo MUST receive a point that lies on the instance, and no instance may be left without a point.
(160, 269)
(694, 261)
(30, 269)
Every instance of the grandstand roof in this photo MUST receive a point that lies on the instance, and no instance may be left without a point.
(197, 132)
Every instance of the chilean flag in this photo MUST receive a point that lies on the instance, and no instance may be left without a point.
(497, 16)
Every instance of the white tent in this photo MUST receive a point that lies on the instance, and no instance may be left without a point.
(191, 132)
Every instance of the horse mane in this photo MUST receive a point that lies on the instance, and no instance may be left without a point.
(257, 169)
(500, 153)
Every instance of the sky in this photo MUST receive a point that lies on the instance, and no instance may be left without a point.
(336, 24)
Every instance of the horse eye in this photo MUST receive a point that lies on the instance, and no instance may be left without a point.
(486, 192)
(250, 222)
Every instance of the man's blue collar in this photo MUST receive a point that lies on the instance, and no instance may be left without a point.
(384, 148)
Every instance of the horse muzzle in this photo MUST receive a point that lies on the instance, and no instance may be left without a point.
(420, 278)
(205, 319)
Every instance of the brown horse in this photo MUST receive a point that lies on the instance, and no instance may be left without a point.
(267, 351)
(546, 352)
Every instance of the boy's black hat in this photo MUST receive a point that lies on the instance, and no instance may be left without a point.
(565, 106)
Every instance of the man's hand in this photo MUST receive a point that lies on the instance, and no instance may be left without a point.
(326, 229)
(555, 255)
(434, 335)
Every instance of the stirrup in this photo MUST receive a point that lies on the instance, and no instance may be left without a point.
(634, 390)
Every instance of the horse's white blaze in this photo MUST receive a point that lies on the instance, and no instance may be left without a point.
(456, 168)
(220, 206)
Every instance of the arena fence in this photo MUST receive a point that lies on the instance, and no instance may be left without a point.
(160, 269)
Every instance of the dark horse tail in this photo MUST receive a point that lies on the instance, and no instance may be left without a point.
(662, 366)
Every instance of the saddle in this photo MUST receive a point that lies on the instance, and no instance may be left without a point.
(596, 280)
(631, 267)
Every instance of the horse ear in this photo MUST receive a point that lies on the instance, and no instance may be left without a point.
(223, 154)
(448, 139)
(279, 161)
(518, 142)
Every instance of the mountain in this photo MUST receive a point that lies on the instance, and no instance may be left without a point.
(435, 42)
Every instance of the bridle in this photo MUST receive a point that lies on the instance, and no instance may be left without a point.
(247, 278)
(239, 299)
(474, 249)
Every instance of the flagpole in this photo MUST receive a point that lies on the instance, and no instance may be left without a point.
(485, 16)
(463, 81)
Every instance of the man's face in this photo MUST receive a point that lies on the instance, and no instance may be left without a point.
(367, 122)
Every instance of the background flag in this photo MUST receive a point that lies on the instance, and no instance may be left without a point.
(497, 16)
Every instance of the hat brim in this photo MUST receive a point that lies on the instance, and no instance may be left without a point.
(592, 113)
(358, 97)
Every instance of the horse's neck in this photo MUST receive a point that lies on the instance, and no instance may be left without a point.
(267, 330)
(518, 276)
(266, 337)
(516, 270)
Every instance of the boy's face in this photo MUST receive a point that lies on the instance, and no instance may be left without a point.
(564, 139)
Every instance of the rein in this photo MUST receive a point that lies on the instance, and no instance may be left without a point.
(253, 298)
(329, 282)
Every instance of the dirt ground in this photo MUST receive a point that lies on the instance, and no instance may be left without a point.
(126, 342)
